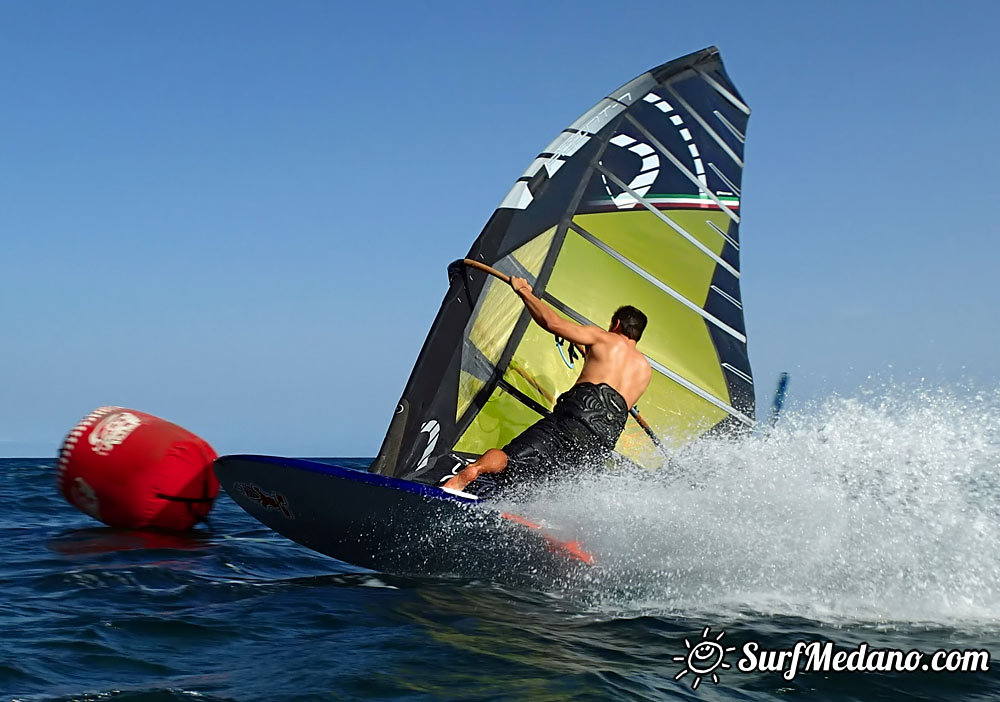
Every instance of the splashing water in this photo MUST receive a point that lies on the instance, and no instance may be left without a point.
(874, 509)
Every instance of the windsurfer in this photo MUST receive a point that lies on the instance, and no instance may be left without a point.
(589, 417)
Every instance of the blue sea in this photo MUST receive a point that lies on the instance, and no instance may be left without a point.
(865, 520)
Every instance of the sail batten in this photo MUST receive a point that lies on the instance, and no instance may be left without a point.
(729, 125)
(655, 281)
(702, 187)
(722, 176)
(636, 202)
(668, 221)
(735, 101)
(704, 125)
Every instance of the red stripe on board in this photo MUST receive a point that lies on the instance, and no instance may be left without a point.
(570, 548)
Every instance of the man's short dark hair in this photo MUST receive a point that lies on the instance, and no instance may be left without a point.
(633, 321)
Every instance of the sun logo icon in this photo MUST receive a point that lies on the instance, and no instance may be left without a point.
(704, 658)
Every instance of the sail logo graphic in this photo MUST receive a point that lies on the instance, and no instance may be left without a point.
(570, 358)
(629, 194)
(643, 180)
(432, 429)
(704, 658)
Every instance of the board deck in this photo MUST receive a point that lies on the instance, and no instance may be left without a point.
(392, 525)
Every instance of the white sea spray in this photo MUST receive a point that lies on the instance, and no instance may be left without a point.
(882, 507)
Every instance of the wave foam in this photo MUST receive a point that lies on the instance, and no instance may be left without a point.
(872, 508)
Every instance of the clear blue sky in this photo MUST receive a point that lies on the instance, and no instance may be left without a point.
(237, 215)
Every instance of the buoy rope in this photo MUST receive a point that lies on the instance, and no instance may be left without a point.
(190, 502)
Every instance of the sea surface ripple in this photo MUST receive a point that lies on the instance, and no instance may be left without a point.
(871, 519)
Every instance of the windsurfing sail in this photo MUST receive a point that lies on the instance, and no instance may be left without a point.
(635, 203)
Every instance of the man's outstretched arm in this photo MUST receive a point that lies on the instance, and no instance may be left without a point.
(549, 320)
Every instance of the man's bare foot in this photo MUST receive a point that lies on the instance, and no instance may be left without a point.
(464, 477)
(493, 461)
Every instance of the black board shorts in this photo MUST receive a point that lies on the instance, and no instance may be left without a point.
(582, 430)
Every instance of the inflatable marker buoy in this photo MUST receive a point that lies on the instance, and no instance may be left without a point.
(132, 470)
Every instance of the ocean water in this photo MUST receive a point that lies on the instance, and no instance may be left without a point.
(870, 520)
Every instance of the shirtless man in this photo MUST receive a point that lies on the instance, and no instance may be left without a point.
(589, 417)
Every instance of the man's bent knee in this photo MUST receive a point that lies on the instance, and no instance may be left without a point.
(493, 461)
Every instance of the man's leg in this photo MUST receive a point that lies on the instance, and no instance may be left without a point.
(493, 461)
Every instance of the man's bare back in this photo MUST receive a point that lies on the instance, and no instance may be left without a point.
(616, 361)
(612, 359)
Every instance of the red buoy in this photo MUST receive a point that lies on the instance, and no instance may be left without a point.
(132, 470)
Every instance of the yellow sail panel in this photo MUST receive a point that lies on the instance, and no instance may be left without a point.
(492, 326)
(676, 414)
(537, 358)
(501, 419)
(531, 256)
(644, 239)
(468, 387)
(594, 284)
(494, 319)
